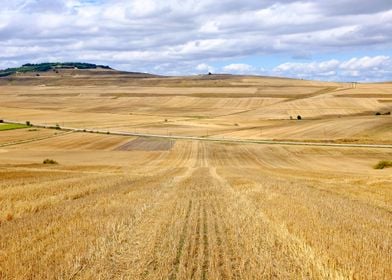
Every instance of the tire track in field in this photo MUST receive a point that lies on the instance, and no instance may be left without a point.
(190, 263)
(192, 260)
(181, 243)
(194, 246)
(152, 266)
(206, 240)
(147, 256)
(222, 262)
(156, 220)
(232, 249)
(205, 245)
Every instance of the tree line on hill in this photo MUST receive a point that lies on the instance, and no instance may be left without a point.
(43, 67)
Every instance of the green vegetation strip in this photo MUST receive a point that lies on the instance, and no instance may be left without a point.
(11, 126)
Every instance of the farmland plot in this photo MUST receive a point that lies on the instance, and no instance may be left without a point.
(199, 211)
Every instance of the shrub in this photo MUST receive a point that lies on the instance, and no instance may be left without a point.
(9, 217)
(28, 123)
(299, 117)
(378, 114)
(49, 161)
(1, 121)
(383, 164)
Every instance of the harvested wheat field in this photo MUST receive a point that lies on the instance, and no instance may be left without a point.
(135, 206)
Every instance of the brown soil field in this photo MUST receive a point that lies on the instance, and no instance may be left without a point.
(147, 144)
(127, 207)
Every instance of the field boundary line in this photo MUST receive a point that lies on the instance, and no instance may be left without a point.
(32, 140)
(210, 139)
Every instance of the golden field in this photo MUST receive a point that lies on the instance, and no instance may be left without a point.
(127, 207)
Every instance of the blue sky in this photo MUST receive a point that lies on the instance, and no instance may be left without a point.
(345, 40)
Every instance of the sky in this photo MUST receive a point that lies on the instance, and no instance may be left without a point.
(335, 40)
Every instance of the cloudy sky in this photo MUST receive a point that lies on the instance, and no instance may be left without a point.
(345, 40)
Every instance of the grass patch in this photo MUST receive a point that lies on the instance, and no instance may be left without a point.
(11, 126)
(49, 161)
(383, 164)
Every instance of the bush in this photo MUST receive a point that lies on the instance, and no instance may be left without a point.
(49, 161)
(383, 164)
(28, 123)
(299, 117)
(378, 114)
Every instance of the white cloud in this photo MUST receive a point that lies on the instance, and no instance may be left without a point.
(309, 68)
(239, 68)
(139, 35)
(363, 68)
(210, 27)
(366, 62)
(203, 67)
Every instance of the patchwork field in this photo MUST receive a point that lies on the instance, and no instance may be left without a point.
(128, 207)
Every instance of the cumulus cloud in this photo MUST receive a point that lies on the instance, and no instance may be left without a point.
(362, 69)
(153, 35)
(239, 68)
(203, 67)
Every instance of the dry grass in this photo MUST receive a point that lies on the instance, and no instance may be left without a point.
(124, 208)
(201, 106)
(201, 210)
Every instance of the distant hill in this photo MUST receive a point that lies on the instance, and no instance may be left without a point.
(43, 67)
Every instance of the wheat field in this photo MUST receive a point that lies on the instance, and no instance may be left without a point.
(127, 207)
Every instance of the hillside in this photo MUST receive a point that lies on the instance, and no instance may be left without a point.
(238, 107)
(68, 73)
(101, 198)
(44, 67)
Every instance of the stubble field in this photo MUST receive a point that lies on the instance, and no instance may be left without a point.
(127, 207)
